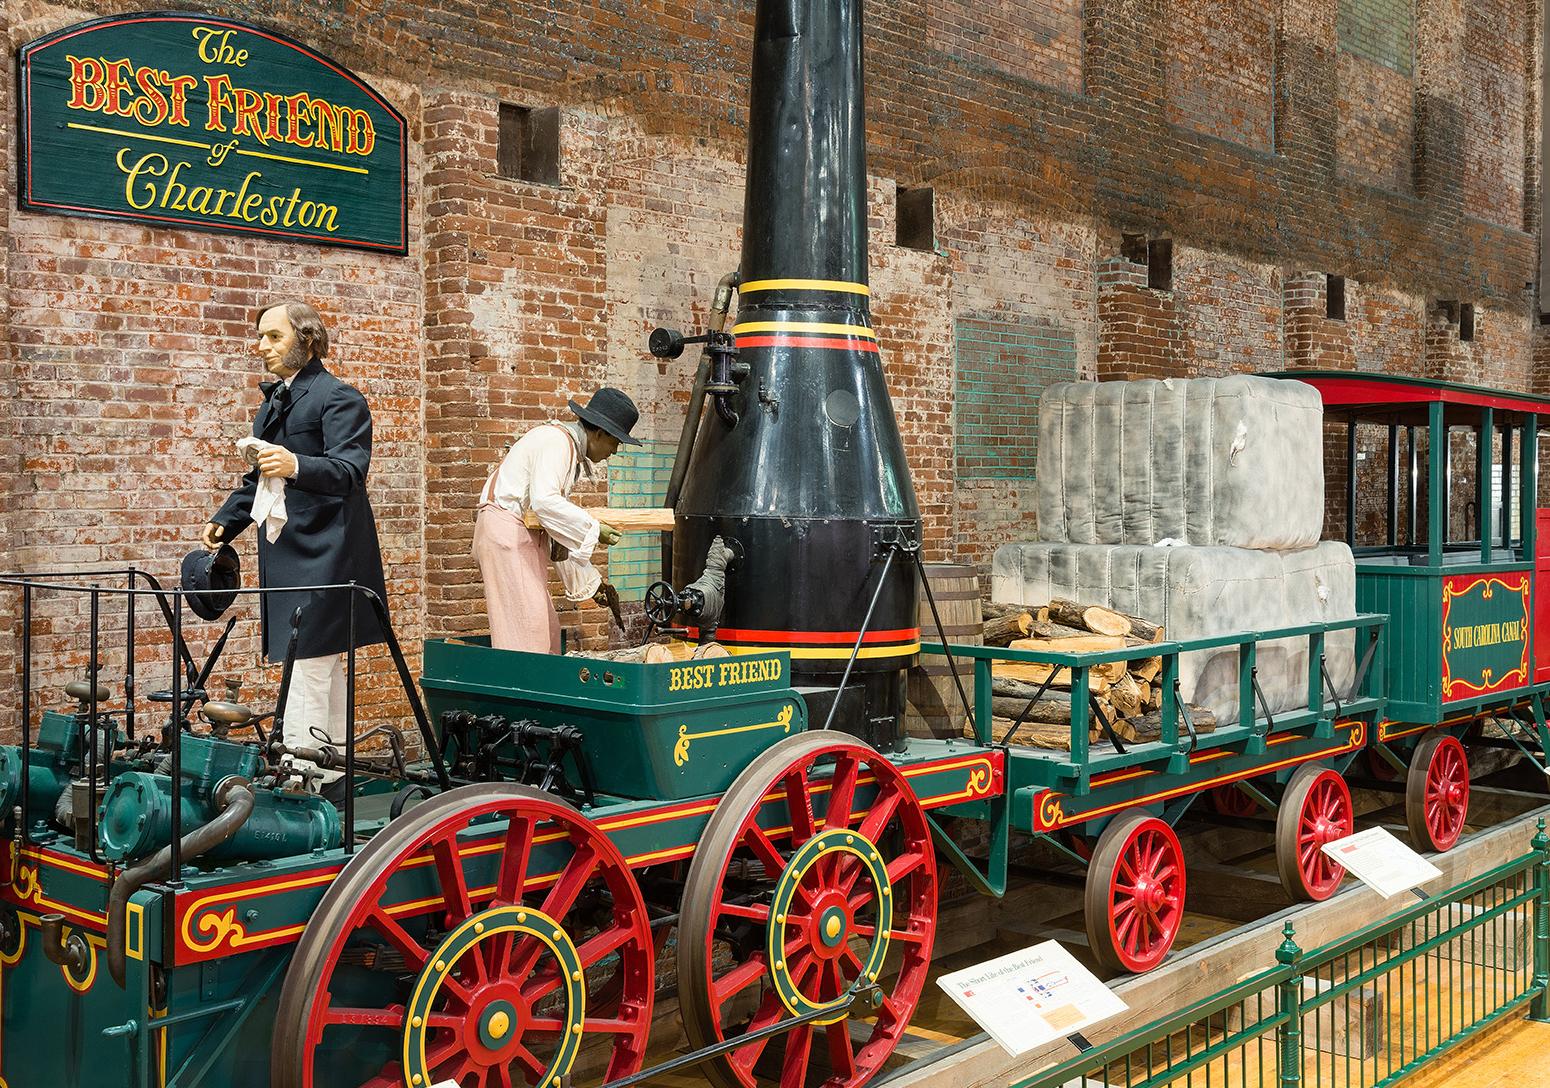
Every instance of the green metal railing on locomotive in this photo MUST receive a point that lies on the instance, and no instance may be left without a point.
(1114, 809)
(140, 832)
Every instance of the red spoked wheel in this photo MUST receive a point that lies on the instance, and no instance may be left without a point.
(1229, 800)
(1437, 792)
(1377, 766)
(1316, 809)
(1080, 845)
(459, 947)
(1135, 893)
(815, 877)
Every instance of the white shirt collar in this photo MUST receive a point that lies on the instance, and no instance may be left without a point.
(587, 468)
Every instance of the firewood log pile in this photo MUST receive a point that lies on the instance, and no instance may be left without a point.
(1129, 694)
(658, 652)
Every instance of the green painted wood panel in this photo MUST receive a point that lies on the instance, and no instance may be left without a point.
(1412, 598)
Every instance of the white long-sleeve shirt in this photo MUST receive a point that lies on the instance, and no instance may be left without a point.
(538, 474)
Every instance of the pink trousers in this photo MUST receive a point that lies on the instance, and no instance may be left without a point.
(514, 562)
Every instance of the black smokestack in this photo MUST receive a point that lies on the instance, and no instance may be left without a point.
(802, 465)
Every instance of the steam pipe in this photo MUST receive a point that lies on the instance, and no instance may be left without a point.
(721, 306)
(235, 800)
(72, 953)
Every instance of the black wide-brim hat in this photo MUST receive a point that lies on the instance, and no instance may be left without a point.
(611, 410)
(211, 580)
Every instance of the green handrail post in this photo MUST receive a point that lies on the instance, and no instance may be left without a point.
(1483, 452)
(1528, 487)
(982, 700)
(1289, 1007)
(1539, 1009)
(1436, 482)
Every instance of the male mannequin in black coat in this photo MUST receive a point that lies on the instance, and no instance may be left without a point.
(320, 430)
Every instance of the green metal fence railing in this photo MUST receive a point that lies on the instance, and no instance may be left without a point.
(1361, 1012)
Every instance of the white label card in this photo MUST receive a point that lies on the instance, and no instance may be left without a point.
(1382, 862)
(1029, 998)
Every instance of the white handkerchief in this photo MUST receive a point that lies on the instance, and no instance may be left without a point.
(269, 498)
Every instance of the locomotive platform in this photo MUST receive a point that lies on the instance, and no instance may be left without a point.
(1237, 910)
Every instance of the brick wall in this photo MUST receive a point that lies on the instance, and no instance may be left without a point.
(1313, 338)
(11, 479)
(1390, 142)
(1221, 68)
(1028, 272)
(1139, 335)
(912, 310)
(1386, 328)
(1039, 41)
(134, 376)
(1376, 92)
(1495, 97)
(1229, 313)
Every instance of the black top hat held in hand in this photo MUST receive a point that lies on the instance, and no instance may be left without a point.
(211, 580)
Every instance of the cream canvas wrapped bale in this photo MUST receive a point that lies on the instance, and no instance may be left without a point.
(1199, 592)
(1218, 462)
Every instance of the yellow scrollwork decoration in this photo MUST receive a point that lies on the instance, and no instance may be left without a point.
(223, 928)
(1051, 811)
(685, 738)
(979, 781)
(27, 883)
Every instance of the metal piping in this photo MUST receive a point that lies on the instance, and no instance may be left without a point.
(235, 799)
(720, 308)
(72, 953)
(726, 287)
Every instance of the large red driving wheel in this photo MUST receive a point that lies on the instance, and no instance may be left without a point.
(815, 876)
(1135, 893)
(1437, 792)
(1315, 810)
(460, 946)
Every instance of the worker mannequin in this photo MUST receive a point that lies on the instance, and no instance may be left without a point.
(537, 475)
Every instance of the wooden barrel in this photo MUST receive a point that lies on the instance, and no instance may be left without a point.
(934, 708)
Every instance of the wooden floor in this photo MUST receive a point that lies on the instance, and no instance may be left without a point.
(1513, 1055)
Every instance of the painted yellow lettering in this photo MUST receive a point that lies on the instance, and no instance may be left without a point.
(215, 47)
(151, 165)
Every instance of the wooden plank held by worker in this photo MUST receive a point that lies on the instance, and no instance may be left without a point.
(645, 519)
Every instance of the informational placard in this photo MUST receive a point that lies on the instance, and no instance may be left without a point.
(1026, 999)
(188, 120)
(1382, 862)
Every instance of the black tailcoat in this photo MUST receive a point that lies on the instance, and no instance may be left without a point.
(331, 536)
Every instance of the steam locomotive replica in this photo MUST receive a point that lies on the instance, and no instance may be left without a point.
(575, 837)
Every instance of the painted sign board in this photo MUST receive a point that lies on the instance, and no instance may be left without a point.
(184, 120)
(1485, 631)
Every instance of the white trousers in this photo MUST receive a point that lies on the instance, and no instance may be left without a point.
(315, 706)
